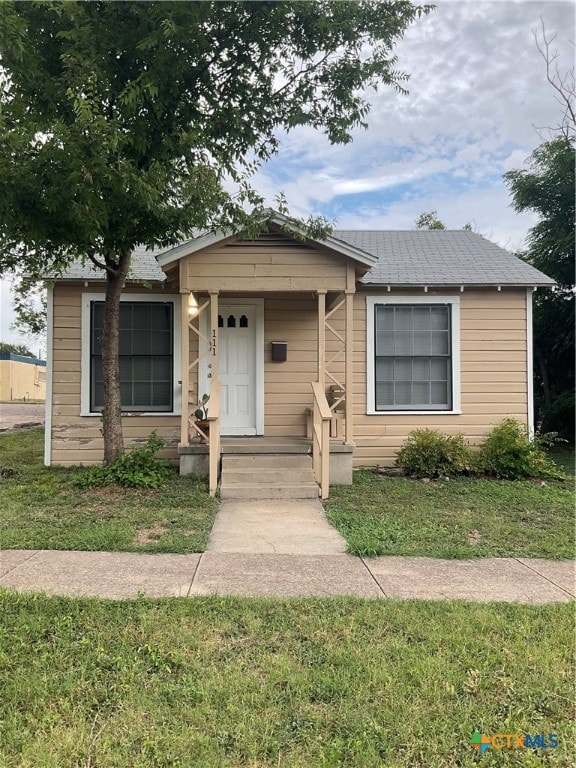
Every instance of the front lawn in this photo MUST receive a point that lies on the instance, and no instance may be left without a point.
(227, 682)
(41, 508)
(460, 518)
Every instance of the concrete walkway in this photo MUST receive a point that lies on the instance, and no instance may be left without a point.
(126, 575)
(282, 526)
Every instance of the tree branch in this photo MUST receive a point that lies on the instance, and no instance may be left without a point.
(564, 86)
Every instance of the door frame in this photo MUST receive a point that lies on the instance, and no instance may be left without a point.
(205, 365)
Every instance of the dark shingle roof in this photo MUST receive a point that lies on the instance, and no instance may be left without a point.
(439, 257)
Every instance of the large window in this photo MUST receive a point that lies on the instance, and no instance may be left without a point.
(413, 354)
(146, 356)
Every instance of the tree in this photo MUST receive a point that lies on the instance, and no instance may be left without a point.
(16, 349)
(125, 124)
(430, 220)
(547, 187)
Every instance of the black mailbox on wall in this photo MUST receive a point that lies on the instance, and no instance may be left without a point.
(279, 351)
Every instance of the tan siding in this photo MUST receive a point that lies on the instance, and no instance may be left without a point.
(272, 263)
(493, 376)
(77, 439)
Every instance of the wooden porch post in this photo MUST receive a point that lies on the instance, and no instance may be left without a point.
(322, 339)
(349, 354)
(214, 440)
(185, 368)
(214, 335)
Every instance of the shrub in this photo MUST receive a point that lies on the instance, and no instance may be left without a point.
(428, 453)
(509, 453)
(138, 468)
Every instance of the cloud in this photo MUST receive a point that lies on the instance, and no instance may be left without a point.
(477, 89)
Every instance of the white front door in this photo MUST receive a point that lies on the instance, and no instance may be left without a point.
(240, 353)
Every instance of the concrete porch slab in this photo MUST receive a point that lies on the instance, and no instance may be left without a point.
(491, 579)
(269, 575)
(103, 574)
(281, 526)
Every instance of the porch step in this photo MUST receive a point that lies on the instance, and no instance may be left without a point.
(267, 476)
(265, 445)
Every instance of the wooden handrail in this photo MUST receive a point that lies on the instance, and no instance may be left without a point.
(214, 438)
(321, 417)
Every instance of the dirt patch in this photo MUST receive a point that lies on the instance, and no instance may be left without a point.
(474, 537)
(148, 535)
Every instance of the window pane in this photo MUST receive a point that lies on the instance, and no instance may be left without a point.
(161, 343)
(439, 393)
(125, 315)
(98, 315)
(384, 343)
(97, 369)
(142, 343)
(126, 369)
(439, 318)
(422, 343)
(142, 393)
(384, 318)
(161, 393)
(142, 320)
(126, 393)
(142, 368)
(403, 343)
(162, 369)
(421, 392)
(125, 343)
(403, 393)
(162, 317)
(421, 316)
(403, 318)
(384, 394)
(384, 369)
(421, 370)
(439, 369)
(440, 343)
(98, 395)
(402, 370)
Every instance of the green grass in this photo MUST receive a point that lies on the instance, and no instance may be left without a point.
(41, 509)
(215, 683)
(460, 518)
(565, 460)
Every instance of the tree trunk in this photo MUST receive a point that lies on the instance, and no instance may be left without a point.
(544, 376)
(112, 413)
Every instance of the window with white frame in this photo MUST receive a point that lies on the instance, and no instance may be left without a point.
(149, 367)
(413, 354)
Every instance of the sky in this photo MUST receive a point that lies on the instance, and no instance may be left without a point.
(478, 105)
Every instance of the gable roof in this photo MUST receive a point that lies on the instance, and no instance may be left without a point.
(211, 238)
(440, 257)
(144, 267)
(402, 258)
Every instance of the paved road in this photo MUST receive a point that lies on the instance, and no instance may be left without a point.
(15, 414)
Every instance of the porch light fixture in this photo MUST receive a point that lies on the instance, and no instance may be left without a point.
(192, 305)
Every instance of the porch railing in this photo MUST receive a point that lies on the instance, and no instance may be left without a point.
(214, 436)
(321, 417)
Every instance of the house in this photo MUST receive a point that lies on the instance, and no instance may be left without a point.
(21, 377)
(344, 345)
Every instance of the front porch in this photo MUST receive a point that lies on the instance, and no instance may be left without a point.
(267, 467)
(303, 396)
(267, 329)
